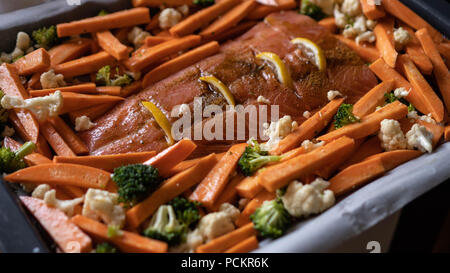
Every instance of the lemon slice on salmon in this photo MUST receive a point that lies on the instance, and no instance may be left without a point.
(313, 51)
(221, 87)
(161, 119)
(282, 73)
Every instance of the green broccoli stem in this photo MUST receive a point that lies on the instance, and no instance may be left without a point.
(26, 149)
(263, 160)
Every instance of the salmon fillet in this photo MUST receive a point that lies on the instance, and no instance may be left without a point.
(129, 127)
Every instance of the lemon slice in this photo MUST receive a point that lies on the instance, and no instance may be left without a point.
(161, 119)
(223, 89)
(313, 51)
(282, 73)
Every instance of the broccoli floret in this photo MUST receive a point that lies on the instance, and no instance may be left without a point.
(390, 98)
(186, 211)
(164, 226)
(271, 219)
(345, 116)
(104, 77)
(203, 2)
(105, 248)
(312, 10)
(254, 158)
(45, 37)
(102, 13)
(3, 114)
(12, 161)
(135, 182)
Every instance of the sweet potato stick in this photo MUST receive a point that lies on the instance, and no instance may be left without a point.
(69, 136)
(124, 18)
(370, 147)
(385, 42)
(244, 217)
(156, 40)
(215, 182)
(92, 112)
(245, 246)
(85, 88)
(441, 72)
(170, 189)
(396, 158)
(106, 162)
(329, 23)
(69, 50)
(127, 242)
(229, 19)
(229, 194)
(202, 18)
(76, 101)
(180, 62)
(262, 11)
(109, 90)
(112, 45)
(371, 10)
(368, 53)
(147, 56)
(280, 175)
(31, 159)
(158, 3)
(233, 32)
(224, 242)
(84, 65)
(416, 53)
(55, 140)
(33, 62)
(309, 128)
(372, 99)
(447, 133)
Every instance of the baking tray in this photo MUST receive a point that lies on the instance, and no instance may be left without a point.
(351, 216)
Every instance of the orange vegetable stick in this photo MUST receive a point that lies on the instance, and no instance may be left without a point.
(245, 246)
(367, 52)
(202, 18)
(131, 89)
(127, 242)
(369, 124)
(386, 73)
(84, 65)
(109, 90)
(74, 142)
(371, 147)
(384, 32)
(371, 10)
(66, 235)
(124, 18)
(436, 129)
(372, 99)
(11, 85)
(85, 88)
(309, 128)
(262, 11)
(244, 217)
(233, 32)
(447, 133)
(441, 73)
(112, 45)
(170, 189)
(229, 19)
(92, 112)
(62, 174)
(184, 165)
(444, 50)
(146, 56)
(226, 241)
(76, 101)
(402, 12)
(394, 159)
(34, 82)
(281, 174)
(170, 157)
(158, 3)
(36, 61)
(229, 193)
(208, 191)
(180, 62)
(31, 159)
(55, 140)
(329, 23)
(106, 162)
(156, 40)
(69, 50)
(421, 86)
(416, 53)
(356, 176)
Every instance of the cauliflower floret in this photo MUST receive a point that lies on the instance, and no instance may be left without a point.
(401, 92)
(42, 107)
(184, 9)
(45, 193)
(370, 24)
(51, 80)
(277, 130)
(311, 146)
(218, 223)
(262, 99)
(391, 136)
(401, 38)
(306, 114)
(358, 27)
(193, 240)
(104, 205)
(169, 17)
(8, 132)
(23, 41)
(340, 18)
(367, 36)
(351, 7)
(137, 36)
(83, 123)
(413, 116)
(332, 94)
(304, 200)
(419, 137)
(23, 45)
